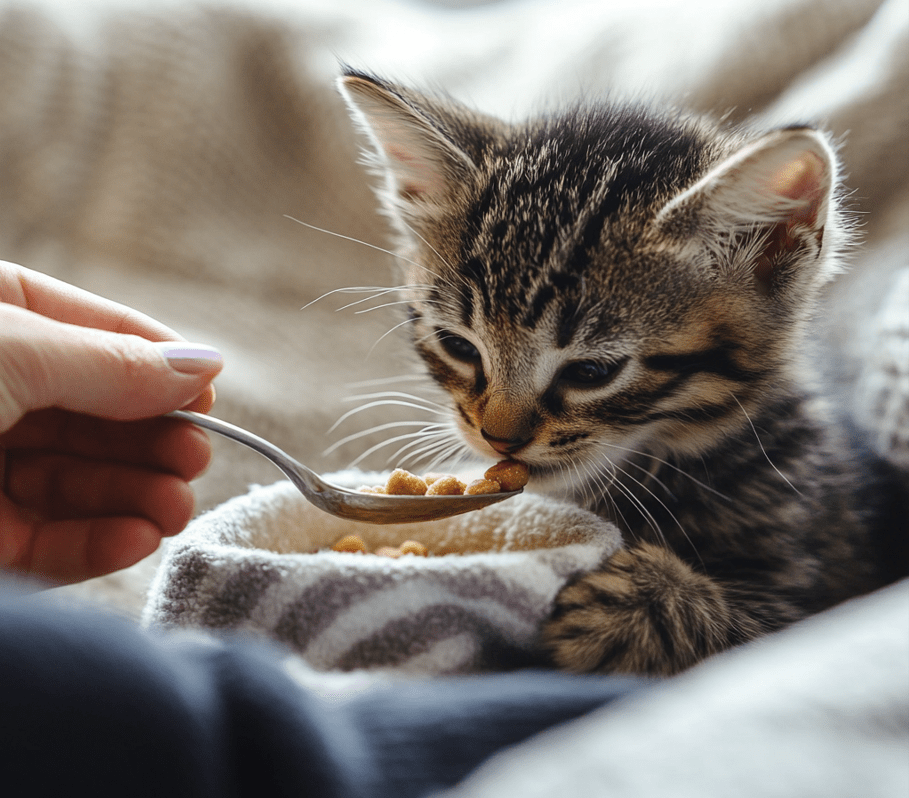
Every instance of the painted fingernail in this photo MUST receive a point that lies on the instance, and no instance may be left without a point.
(191, 358)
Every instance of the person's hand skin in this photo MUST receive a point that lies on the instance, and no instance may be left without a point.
(91, 478)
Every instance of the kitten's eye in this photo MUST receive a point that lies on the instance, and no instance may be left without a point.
(589, 373)
(458, 347)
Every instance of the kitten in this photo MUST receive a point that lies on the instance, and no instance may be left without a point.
(618, 297)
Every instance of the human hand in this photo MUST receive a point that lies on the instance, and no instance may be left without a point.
(91, 477)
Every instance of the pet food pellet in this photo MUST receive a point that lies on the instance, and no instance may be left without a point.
(446, 485)
(510, 474)
(356, 545)
(479, 486)
(507, 475)
(350, 543)
(414, 547)
(403, 483)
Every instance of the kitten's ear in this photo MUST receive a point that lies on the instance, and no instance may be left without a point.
(423, 166)
(784, 181)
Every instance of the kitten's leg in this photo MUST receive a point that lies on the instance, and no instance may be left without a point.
(645, 611)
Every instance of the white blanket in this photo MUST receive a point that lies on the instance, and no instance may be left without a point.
(262, 564)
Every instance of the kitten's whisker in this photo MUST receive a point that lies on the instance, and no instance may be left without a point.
(637, 504)
(664, 506)
(370, 405)
(669, 465)
(652, 476)
(357, 241)
(385, 380)
(452, 271)
(397, 395)
(428, 440)
(426, 337)
(386, 334)
(359, 289)
(434, 250)
(604, 482)
(386, 305)
(376, 295)
(436, 452)
(426, 452)
(595, 477)
(763, 450)
(375, 292)
(615, 482)
(388, 442)
(440, 440)
(454, 456)
(379, 428)
(583, 480)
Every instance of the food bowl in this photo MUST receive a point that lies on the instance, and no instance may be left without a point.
(262, 564)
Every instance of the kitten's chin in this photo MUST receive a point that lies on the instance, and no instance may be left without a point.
(554, 482)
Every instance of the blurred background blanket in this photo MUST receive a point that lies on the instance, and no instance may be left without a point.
(153, 152)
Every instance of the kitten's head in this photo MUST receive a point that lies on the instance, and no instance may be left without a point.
(603, 280)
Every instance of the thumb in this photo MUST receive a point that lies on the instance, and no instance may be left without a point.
(46, 363)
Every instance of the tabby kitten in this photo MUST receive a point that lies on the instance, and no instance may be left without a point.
(618, 298)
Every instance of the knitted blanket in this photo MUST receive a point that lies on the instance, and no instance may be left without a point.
(262, 564)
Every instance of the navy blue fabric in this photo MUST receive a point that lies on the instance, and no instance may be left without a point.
(91, 703)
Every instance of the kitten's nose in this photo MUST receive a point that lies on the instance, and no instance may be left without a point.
(504, 445)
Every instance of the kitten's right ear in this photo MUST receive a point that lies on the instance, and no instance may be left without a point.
(423, 166)
(783, 183)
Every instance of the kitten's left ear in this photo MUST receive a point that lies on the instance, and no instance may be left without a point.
(422, 163)
(783, 180)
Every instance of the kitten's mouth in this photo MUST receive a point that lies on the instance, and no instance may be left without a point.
(477, 443)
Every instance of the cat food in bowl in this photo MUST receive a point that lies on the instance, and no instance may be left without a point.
(354, 544)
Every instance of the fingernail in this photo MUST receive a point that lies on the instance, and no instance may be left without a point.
(190, 358)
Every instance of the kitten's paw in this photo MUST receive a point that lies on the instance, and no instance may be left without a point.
(645, 611)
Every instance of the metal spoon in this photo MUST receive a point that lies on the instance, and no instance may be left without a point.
(342, 502)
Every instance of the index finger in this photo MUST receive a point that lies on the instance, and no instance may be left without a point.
(61, 301)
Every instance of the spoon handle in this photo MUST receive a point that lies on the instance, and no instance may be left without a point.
(291, 468)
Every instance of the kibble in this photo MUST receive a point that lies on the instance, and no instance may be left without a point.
(354, 544)
(403, 483)
(510, 474)
(481, 486)
(505, 476)
(446, 486)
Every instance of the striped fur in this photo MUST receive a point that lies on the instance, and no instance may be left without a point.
(619, 298)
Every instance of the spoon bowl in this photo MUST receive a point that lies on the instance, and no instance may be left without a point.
(343, 502)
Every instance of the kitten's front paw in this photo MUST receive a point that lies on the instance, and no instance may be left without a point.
(645, 611)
